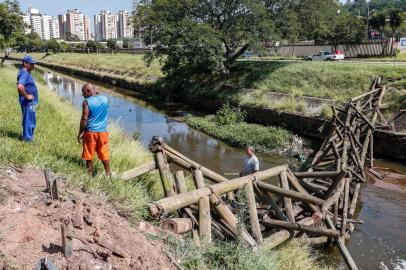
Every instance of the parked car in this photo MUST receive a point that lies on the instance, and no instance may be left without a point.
(326, 56)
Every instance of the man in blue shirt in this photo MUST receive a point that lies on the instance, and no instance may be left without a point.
(28, 97)
(93, 128)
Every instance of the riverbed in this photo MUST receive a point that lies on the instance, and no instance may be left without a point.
(378, 243)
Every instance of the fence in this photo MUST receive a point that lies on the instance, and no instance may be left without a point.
(350, 50)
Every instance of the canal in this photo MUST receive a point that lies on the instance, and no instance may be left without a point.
(378, 243)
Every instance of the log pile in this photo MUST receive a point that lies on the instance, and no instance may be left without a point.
(316, 204)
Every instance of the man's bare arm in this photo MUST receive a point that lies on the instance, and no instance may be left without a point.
(21, 91)
(83, 120)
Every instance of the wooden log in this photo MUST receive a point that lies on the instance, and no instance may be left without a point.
(329, 174)
(336, 181)
(204, 211)
(371, 152)
(182, 188)
(364, 95)
(77, 218)
(290, 193)
(335, 210)
(313, 241)
(210, 175)
(295, 183)
(140, 170)
(286, 200)
(266, 198)
(110, 245)
(252, 210)
(300, 227)
(174, 203)
(342, 248)
(66, 231)
(281, 236)
(360, 114)
(354, 200)
(354, 173)
(330, 201)
(165, 173)
(345, 209)
(178, 225)
(375, 173)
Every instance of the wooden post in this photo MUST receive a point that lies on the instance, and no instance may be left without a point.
(67, 231)
(341, 246)
(330, 201)
(78, 214)
(295, 183)
(165, 173)
(371, 151)
(354, 200)
(252, 209)
(178, 225)
(204, 211)
(345, 210)
(182, 188)
(287, 201)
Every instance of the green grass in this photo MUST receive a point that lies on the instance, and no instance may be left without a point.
(400, 57)
(229, 255)
(131, 67)
(56, 148)
(241, 134)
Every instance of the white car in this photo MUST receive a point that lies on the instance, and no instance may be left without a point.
(326, 56)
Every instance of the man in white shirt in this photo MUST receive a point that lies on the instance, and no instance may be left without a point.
(251, 163)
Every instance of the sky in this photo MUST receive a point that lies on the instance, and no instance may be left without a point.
(88, 7)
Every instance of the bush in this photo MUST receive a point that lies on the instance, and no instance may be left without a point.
(228, 115)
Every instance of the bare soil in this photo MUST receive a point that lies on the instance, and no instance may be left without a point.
(30, 228)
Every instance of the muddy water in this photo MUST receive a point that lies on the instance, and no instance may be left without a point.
(378, 243)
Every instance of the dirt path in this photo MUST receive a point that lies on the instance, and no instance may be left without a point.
(30, 228)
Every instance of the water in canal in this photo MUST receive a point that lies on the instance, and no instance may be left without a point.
(378, 243)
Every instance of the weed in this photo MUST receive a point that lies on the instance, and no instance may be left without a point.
(228, 115)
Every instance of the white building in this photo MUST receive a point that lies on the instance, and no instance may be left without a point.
(45, 26)
(124, 25)
(74, 22)
(105, 25)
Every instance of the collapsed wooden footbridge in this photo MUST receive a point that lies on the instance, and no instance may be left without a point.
(317, 203)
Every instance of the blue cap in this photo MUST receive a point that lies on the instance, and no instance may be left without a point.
(28, 59)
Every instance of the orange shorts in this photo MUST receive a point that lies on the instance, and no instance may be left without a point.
(95, 141)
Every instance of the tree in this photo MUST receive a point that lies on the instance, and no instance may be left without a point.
(11, 26)
(378, 22)
(34, 42)
(71, 37)
(112, 43)
(202, 36)
(92, 45)
(65, 46)
(345, 29)
(126, 43)
(395, 21)
(53, 46)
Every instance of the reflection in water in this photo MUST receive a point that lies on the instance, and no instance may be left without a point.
(378, 243)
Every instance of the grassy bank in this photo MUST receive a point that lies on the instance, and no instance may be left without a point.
(228, 125)
(56, 148)
(251, 82)
(128, 66)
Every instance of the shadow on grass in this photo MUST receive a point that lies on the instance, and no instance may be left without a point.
(243, 76)
(11, 134)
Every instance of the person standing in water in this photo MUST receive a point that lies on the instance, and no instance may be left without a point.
(93, 128)
(251, 163)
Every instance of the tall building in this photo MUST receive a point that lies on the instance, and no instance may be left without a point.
(124, 24)
(45, 26)
(105, 25)
(74, 22)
